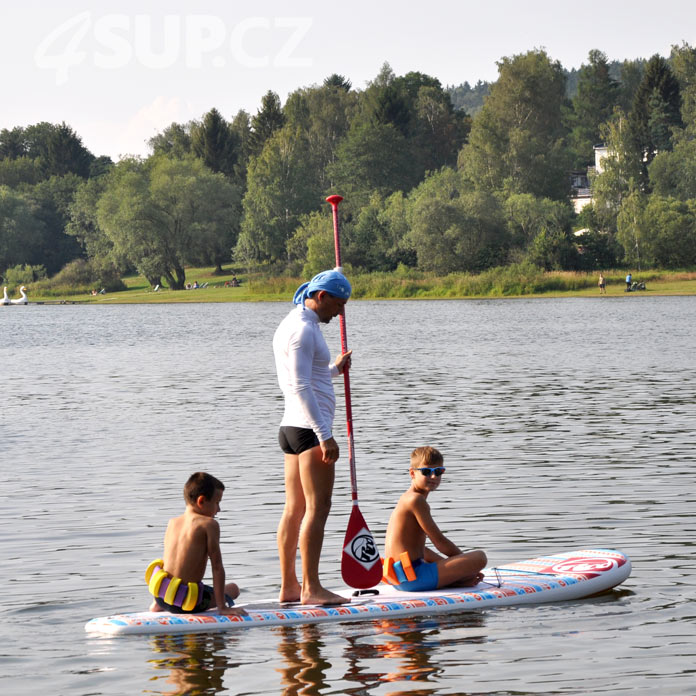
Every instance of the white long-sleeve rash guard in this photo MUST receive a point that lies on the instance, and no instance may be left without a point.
(305, 370)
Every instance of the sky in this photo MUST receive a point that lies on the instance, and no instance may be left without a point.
(119, 72)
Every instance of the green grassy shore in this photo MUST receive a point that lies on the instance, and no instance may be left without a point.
(509, 282)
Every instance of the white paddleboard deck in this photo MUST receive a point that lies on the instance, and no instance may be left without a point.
(560, 577)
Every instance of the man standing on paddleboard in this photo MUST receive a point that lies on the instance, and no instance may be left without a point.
(305, 371)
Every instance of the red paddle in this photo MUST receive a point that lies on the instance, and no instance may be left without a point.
(360, 562)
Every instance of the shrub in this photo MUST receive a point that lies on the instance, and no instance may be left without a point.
(23, 275)
(81, 277)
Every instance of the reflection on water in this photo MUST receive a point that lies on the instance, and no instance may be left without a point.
(193, 665)
(564, 424)
(382, 653)
(302, 667)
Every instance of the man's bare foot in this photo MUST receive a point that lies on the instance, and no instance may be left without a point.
(323, 598)
(155, 607)
(291, 593)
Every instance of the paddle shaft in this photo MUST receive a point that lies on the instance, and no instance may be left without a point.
(334, 201)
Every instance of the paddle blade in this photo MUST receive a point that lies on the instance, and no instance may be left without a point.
(360, 562)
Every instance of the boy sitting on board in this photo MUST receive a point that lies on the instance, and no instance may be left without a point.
(190, 540)
(411, 522)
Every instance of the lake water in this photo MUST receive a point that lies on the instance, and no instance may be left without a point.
(564, 424)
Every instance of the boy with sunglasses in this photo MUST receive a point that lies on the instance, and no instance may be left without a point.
(411, 522)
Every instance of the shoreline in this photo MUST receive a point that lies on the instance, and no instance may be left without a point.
(173, 298)
(257, 288)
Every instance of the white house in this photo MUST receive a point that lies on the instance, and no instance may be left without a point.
(580, 181)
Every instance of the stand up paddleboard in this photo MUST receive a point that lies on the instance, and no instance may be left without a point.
(557, 578)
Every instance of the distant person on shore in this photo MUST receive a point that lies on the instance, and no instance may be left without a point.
(305, 371)
(190, 540)
(602, 284)
(411, 522)
(629, 278)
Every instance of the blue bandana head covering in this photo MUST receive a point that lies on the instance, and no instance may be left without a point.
(334, 282)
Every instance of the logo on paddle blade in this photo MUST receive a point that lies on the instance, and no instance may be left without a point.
(362, 548)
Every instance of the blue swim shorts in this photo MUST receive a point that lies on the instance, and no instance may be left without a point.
(426, 576)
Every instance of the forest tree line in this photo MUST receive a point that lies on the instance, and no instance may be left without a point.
(426, 185)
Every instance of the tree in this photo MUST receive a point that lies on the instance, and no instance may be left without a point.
(631, 77)
(12, 143)
(655, 230)
(656, 110)
(36, 139)
(323, 115)
(453, 229)
(373, 240)
(56, 149)
(52, 198)
(339, 81)
(389, 107)
(21, 230)
(279, 190)
(516, 141)
(683, 64)
(100, 166)
(467, 98)
(164, 213)
(267, 121)
(173, 141)
(593, 105)
(20, 170)
(83, 224)
(632, 230)
(621, 172)
(671, 229)
(214, 142)
(65, 153)
(553, 250)
(598, 249)
(241, 130)
(674, 173)
(311, 248)
(439, 131)
(528, 216)
(372, 159)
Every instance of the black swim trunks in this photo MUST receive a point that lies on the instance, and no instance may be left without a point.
(203, 604)
(296, 440)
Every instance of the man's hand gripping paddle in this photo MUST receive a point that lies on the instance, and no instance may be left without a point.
(360, 562)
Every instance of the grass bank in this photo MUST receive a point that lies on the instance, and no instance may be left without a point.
(513, 281)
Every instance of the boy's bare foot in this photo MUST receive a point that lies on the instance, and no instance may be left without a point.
(155, 607)
(324, 598)
(471, 581)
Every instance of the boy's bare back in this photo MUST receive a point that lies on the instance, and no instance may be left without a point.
(187, 545)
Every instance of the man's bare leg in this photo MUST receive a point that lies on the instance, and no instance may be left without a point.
(317, 484)
(289, 531)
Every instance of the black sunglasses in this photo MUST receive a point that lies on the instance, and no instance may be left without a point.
(430, 470)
